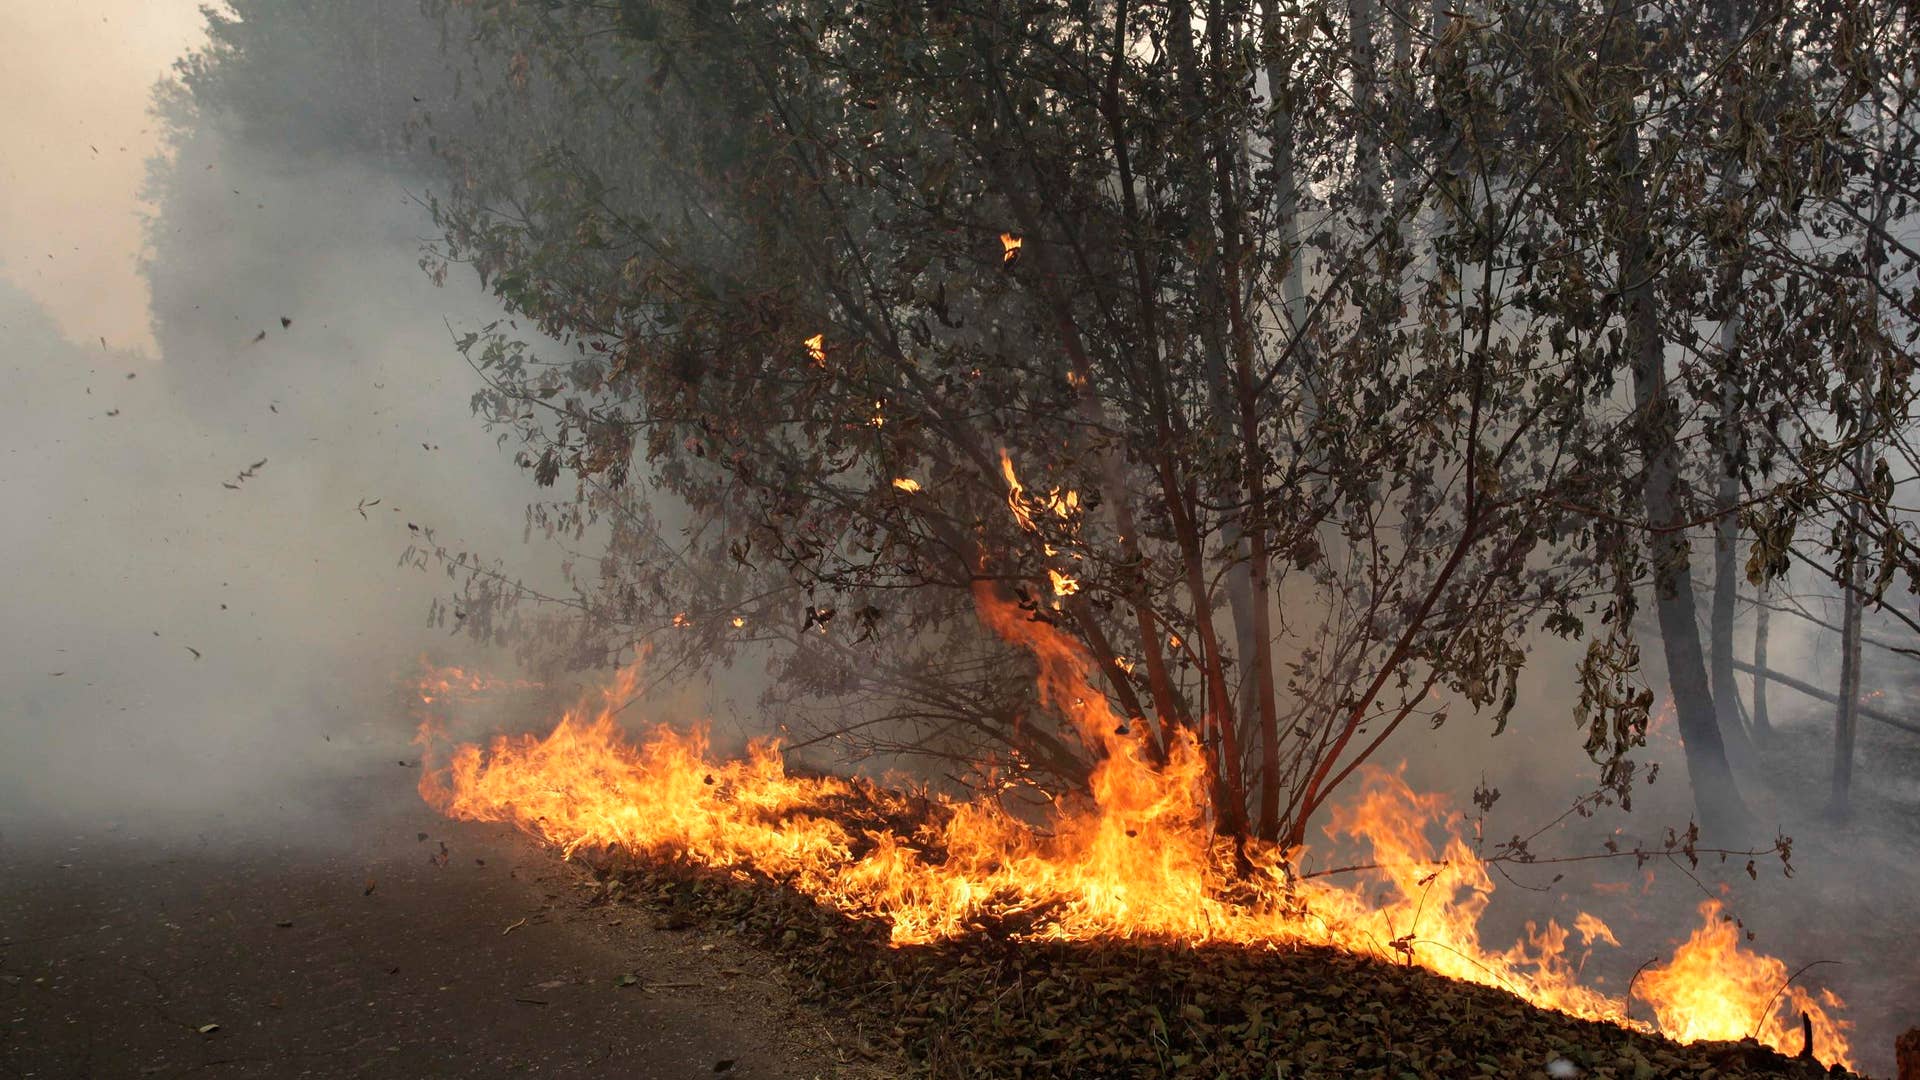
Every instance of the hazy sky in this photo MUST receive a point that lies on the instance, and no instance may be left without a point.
(78, 79)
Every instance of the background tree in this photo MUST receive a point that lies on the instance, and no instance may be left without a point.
(1298, 378)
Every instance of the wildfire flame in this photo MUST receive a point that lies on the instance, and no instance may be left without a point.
(1009, 247)
(817, 349)
(1139, 860)
(1064, 505)
(1136, 859)
(1709, 988)
(906, 484)
(1591, 929)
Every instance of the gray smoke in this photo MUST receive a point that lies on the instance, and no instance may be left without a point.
(186, 657)
(174, 650)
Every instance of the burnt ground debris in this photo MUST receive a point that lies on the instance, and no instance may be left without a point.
(990, 1005)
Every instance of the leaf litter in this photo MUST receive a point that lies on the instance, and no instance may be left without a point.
(991, 1004)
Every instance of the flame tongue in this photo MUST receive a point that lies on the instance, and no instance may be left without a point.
(1140, 862)
(1712, 989)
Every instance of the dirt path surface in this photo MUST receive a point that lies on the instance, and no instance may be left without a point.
(370, 952)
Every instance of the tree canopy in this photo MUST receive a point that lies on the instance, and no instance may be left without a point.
(1303, 362)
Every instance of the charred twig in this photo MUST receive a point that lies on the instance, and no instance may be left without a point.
(1628, 996)
(1767, 1009)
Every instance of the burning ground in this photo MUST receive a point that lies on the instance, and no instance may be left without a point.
(1119, 936)
(990, 1004)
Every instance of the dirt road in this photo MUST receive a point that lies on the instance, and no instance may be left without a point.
(366, 951)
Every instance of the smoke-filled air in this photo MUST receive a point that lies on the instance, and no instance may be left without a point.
(947, 538)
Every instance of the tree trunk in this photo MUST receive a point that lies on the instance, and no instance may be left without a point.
(1366, 76)
(1275, 21)
(1717, 798)
(1256, 637)
(1728, 27)
(1847, 716)
(1853, 563)
(1726, 539)
(1762, 729)
(1217, 730)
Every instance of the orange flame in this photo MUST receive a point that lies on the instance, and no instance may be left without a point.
(817, 349)
(1064, 505)
(1591, 929)
(1010, 247)
(1712, 989)
(1138, 859)
(906, 484)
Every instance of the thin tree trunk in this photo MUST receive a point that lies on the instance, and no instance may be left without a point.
(1762, 729)
(1275, 21)
(1726, 538)
(1847, 717)
(1366, 75)
(1169, 706)
(1255, 631)
(1716, 797)
(1230, 789)
(1230, 802)
(1726, 529)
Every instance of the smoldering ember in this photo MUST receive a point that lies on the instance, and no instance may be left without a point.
(960, 538)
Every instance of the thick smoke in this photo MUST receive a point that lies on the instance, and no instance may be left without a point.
(175, 650)
(194, 658)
